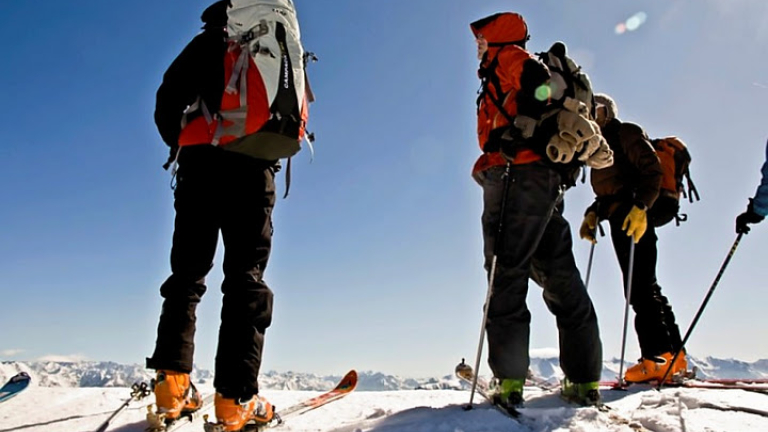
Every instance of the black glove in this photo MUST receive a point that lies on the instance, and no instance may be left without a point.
(509, 143)
(172, 153)
(748, 217)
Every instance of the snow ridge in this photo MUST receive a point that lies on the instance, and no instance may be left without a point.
(111, 374)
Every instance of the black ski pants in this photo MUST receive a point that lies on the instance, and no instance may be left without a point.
(533, 245)
(657, 331)
(227, 192)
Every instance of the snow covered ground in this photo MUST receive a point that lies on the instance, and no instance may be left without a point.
(41, 409)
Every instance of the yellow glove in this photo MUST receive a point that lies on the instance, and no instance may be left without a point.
(636, 223)
(588, 226)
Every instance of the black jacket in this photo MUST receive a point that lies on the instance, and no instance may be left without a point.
(197, 72)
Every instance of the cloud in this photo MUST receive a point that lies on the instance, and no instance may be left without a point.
(73, 358)
(11, 352)
(545, 352)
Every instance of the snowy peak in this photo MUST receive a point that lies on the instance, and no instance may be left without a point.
(85, 374)
(110, 374)
(712, 367)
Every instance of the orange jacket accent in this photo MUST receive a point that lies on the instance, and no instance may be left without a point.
(505, 27)
(489, 160)
(199, 131)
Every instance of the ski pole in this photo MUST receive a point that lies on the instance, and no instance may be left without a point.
(539, 235)
(589, 265)
(490, 283)
(138, 391)
(620, 382)
(701, 308)
(591, 255)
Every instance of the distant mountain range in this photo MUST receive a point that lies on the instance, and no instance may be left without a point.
(110, 374)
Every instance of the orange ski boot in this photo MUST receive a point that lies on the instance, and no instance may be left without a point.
(234, 415)
(654, 368)
(175, 395)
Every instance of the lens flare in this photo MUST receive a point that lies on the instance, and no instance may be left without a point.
(632, 23)
(543, 92)
(636, 20)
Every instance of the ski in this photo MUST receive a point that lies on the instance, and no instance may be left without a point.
(138, 392)
(736, 380)
(703, 384)
(346, 386)
(157, 421)
(14, 386)
(714, 384)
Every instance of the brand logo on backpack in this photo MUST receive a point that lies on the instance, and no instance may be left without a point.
(675, 163)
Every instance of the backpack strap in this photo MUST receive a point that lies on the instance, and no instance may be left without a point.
(692, 191)
(489, 78)
(237, 82)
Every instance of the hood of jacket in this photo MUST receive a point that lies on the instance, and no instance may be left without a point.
(500, 30)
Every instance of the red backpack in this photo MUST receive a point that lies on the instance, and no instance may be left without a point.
(675, 164)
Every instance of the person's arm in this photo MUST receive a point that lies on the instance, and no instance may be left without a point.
(760, 201)
(197, 72)
(642, 156)
(176, 93)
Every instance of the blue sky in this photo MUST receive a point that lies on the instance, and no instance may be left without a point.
(377, 259)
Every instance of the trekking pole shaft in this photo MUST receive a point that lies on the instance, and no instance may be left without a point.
(105, 425)
(482, 330)
(589, 265)
(701, 308)
(628, 295)
(490, 283)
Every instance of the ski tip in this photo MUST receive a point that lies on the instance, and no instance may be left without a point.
(349, 382)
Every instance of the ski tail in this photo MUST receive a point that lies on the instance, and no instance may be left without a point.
(14, 386)
(465, 373)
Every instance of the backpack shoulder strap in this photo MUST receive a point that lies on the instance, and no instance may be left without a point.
(489, 78)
